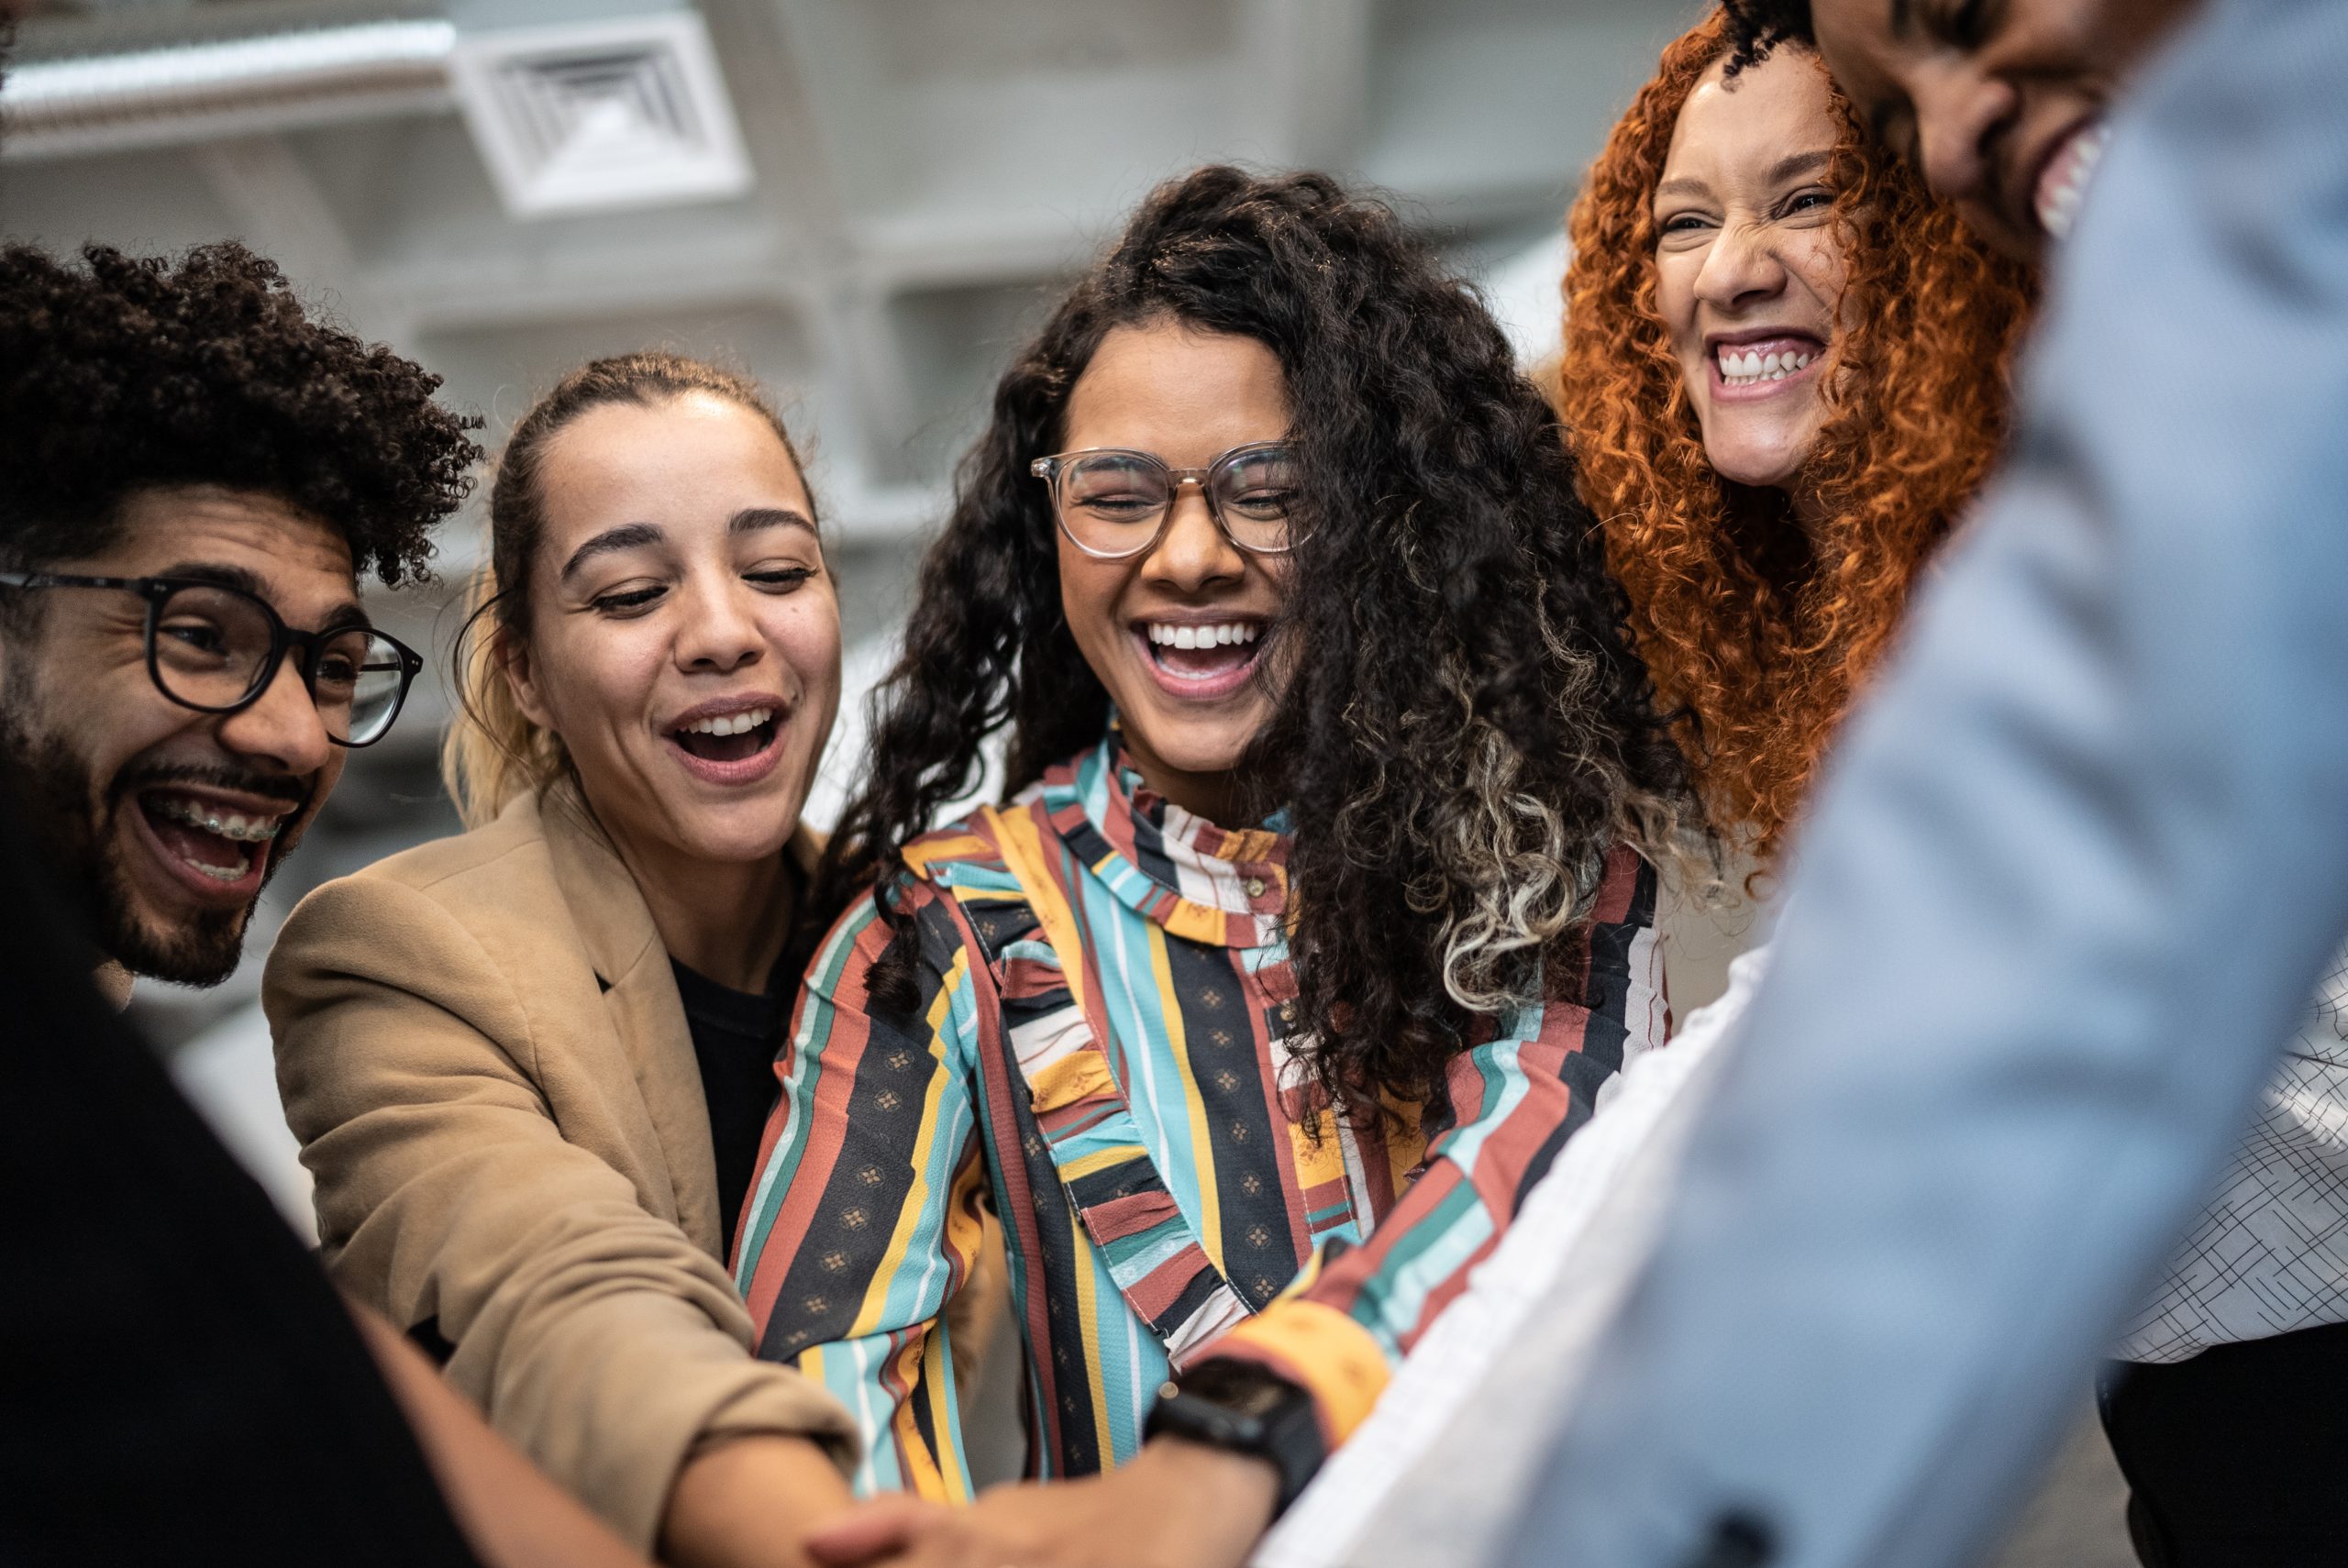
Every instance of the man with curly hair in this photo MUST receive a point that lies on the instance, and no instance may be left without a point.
(196, 474)
(191, 474)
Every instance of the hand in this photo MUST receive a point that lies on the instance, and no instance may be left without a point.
(1178, 1504)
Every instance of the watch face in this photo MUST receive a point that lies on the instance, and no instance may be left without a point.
(1240, 1386)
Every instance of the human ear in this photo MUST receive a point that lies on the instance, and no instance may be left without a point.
(513, 655)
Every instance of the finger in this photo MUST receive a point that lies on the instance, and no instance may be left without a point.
(882, 1527)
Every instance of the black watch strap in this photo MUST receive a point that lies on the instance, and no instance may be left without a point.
(1242, 1407)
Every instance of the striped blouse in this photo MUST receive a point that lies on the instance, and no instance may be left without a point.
(1105, 1011)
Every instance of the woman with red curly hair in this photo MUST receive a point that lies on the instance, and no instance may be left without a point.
(1785, 373)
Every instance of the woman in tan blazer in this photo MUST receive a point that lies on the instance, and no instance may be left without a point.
(525, 1142)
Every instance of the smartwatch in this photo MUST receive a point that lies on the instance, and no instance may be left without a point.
(1243, 1407)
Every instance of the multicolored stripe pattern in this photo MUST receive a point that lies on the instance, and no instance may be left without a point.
(1102, 1055)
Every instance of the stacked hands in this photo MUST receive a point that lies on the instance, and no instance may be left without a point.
(1177, 1505)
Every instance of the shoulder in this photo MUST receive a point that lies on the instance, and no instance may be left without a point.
(481, 894)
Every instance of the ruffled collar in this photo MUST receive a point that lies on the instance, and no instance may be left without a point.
(1226, 886)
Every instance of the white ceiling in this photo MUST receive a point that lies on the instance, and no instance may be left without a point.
(926, 170)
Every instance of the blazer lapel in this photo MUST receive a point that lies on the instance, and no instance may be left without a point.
(647, 1015)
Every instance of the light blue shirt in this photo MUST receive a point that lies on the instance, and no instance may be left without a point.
(2068, 887)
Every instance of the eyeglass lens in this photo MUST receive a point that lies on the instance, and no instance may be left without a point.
(1113, 501)
(212, 650)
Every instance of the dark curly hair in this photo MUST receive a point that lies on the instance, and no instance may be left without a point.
(1471, 733)
(127, 373)
(1754, 27)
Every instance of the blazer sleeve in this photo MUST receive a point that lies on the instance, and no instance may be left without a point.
(596, 1336)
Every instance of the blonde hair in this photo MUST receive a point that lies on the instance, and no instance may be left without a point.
(493, 753)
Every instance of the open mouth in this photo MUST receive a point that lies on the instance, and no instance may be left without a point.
(733, 737)
(213, 845)
(739, 746)
(1751, 366)
(1202, 659)
(2063, 184)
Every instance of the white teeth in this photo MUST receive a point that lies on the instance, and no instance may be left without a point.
(1183, 636)
(730, 723)
(2060, 196)
(228, 825)
(1742, 370)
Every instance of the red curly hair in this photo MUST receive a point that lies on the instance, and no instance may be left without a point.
(1758, 630)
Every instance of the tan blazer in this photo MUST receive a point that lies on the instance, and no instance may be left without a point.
(481, 1046)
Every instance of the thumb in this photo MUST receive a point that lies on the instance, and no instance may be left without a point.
(878, 1528)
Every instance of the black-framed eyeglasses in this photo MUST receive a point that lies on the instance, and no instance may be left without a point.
(215, 650)
(1114, 504)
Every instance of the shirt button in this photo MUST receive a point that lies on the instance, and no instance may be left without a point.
(1255, 886)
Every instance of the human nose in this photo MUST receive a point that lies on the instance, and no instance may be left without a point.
(1960, 114)
(1740, 266)
(281, 726)
(720, 630)
(1191, 550)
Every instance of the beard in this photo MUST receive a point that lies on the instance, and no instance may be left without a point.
(74, 822)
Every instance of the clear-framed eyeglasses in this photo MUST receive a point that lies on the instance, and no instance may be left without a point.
(215, 650)
(1114, 504)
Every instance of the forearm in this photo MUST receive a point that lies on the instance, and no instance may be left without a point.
(514, 1516)
(750, 1502)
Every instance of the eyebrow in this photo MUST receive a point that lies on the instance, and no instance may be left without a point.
(1799, 163)
(626, 536)
(1780, 171)
(636, 536)
(343, 616)
(750, 520)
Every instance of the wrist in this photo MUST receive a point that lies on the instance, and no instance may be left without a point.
(1243, 1410)
(1225, 1501)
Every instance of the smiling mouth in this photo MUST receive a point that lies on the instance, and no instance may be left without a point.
(1213, 654)
(731, 737)
(226, 847)
(1757, 364)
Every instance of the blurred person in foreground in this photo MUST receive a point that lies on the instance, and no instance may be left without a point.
(2078, 866)
(191, 474)
(530, 1064)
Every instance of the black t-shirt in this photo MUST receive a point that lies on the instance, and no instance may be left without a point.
(736, 1037)
(178, 1382)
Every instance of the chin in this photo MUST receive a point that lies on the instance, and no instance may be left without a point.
(1769, 469)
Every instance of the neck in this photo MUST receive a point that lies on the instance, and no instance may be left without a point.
(1218, 797)
(725, 921)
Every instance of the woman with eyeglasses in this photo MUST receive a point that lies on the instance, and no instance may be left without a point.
(1319, 915)
(529, 1064)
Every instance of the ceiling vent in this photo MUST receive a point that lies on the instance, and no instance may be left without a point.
(602, 115)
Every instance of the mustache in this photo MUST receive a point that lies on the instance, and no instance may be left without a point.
(268, 786)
